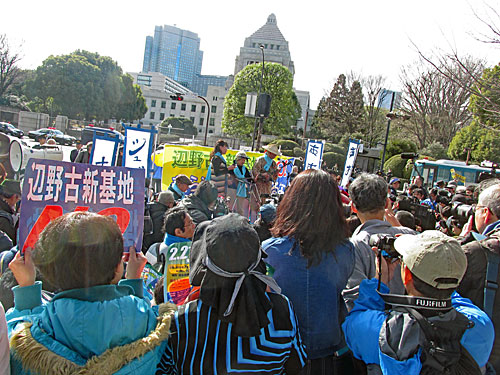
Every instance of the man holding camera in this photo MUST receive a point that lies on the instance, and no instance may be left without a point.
(368, 193)
(432, 329)
(482, 276)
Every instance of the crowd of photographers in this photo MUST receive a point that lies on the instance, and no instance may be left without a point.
(377, 278)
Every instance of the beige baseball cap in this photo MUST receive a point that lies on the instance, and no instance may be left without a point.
(433, 257)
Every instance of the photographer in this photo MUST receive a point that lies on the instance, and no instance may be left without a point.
(482, 258)
(369, 201)
(431, 330)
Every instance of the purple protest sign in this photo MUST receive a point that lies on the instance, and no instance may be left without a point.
(53, 188)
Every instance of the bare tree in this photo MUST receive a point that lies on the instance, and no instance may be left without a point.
(491, 22)
(9, 70)
(437, 96)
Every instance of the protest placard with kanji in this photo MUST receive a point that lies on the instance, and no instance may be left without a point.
(53, 188)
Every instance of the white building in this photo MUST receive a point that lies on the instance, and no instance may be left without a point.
(157, 89)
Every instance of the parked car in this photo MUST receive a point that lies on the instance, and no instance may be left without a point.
(55, 134)
(11, 129)
(88, 134)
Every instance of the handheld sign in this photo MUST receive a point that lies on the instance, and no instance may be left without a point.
(104, 150)
(314, 155)
(350, 161)
(53, 188)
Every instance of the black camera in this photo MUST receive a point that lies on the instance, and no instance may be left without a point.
(462, 212)
(220, 208)
(419, 211)
(385, 244)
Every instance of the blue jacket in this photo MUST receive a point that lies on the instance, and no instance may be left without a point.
(315, 292)
(82, 324)
(363, 325)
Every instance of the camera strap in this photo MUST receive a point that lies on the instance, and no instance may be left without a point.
(418, 303)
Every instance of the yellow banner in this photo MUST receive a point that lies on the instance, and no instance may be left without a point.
(456, 176)
(193, 161)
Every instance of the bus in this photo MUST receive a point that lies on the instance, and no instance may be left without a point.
(447, 170)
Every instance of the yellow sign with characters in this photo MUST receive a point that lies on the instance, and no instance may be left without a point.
(193, 161)
(456, 176)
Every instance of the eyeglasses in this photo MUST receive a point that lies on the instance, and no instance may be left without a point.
(479, 206)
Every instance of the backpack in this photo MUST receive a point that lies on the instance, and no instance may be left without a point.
(442, 352)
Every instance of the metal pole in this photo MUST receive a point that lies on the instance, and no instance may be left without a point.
(305, 124)
(387, 133)
(258, 99)
(208, 118)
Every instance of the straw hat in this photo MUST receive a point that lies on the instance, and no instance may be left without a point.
(273, 149)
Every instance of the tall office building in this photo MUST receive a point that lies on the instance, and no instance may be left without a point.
(175, 53)
(274, 43)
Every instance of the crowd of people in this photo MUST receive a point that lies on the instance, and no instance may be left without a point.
(372, 278)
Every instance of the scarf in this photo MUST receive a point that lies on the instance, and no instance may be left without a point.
(177, 190)
(209, 172)
(241, 190)
(269, 162)
(171, 239)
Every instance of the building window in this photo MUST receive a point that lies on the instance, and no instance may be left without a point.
(202, 120)
(214, 109)
(162, 116)
(202, 109)
(163, 104)
(183, 106)
(172, 115)
(214, 98)
(193, 107)
(192, 119)
(277, 47)
(265, 46)
(212, 122)
(253, 45)
(200, 130)
(272, 46)
(211, 131)
(172, 105)
(153, 103)
(151, 115)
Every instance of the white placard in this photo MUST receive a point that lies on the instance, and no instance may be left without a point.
(137, 144)
(314, 155)
(103, 152)
(352, 153)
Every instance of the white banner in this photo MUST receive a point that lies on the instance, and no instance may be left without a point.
(137, 148)
(314, 155)
(352, 153)
(103, 152)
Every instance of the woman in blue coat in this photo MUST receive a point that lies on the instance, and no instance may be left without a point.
(311, 259)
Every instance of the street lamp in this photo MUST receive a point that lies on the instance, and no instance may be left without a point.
(208, 118)
(261, 119)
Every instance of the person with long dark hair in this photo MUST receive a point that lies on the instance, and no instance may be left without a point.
(311, 259)
(219, 170)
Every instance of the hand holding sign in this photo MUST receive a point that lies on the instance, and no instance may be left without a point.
(23, 268)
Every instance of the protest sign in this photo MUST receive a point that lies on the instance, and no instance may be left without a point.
(352, 153)
(104, 150)
(314, 155)
(285, 169)
(52, 188)
(138, 148)
(193, 161)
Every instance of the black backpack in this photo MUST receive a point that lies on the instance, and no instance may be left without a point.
(442, 352)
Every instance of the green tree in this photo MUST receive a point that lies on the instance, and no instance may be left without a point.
(85, 85)
(278, 82)
(482, 143)
(397, 146)
(343, 111)
(436, 150)
(485, 103)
